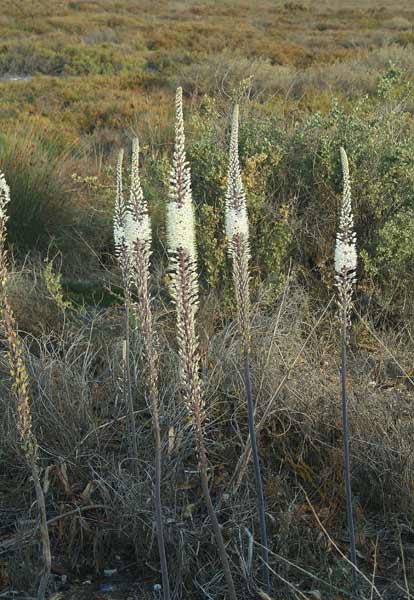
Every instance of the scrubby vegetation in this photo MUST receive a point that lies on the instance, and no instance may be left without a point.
(309, 78)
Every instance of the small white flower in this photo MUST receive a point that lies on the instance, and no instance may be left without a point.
(345, 249)
(136, 231)
(237, 222)
(181, 228)
(345, 257)
(180, 209)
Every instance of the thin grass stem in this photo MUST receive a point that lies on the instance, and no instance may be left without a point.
(347, 464)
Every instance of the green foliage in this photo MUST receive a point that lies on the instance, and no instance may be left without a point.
(293, 180)
(31, 58)
(35, 165)
(54, 286)
(268, 215)
(292, 177)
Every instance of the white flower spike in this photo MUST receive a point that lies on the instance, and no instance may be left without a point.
(180, 210)
(237, 223)
(345, 249)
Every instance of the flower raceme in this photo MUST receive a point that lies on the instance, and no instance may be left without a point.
(18, 370)
(237, 231)
(184, 291)
(131, 219)
(183, 256)
(237, 223)
(180, 209)
(345, 248)
(345, 267)
(132, 236)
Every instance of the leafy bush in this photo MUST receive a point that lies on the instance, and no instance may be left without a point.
(57, 59)
(38, 168)
(268, 216)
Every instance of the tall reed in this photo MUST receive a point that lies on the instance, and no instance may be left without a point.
(184, 291)
(133, 241)
(20, 389)
(237, 231)
(345, 267)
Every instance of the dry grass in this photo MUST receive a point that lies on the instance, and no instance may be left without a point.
(80, 422)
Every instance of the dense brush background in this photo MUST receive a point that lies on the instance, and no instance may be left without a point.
(310, 76)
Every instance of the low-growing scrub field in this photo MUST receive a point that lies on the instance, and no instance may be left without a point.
(92, 354)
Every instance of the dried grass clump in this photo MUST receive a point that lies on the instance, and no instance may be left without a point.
(79, 416)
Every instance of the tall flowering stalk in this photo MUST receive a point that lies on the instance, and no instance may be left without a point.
(140, 240)
(123, 239)
(345, 268)
(132, 234)
(184, 291)
(20, 389)
(237, 231)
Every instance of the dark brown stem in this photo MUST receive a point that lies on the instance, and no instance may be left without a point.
(187, 340)
(44, 531)
(210, 508)
(261, 507)
(128, 392)
(347, 466)
(158, 511)
(152, 359)
(242, 293)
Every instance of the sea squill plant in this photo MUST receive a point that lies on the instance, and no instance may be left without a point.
(237, 232)
(20, 389)
(133, 243)
(122, 240)
(345, 268)
(185, 294)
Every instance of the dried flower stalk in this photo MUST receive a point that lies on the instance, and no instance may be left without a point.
(184, 291)
(20, 388)
(237, 231)
(345, 268)
(140, 245)
(123, 242)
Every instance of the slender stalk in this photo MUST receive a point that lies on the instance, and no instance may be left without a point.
(20, 388)
(44, 532)
(184, 292)
(261, 507)
(144, 310)
(237, 230)
(345, 267)
(133, 443)
(347, 466)
(202, 453)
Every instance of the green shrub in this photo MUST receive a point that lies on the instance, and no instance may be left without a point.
(292, 178)
(58, 59)
(37, 168)
(268, 215)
